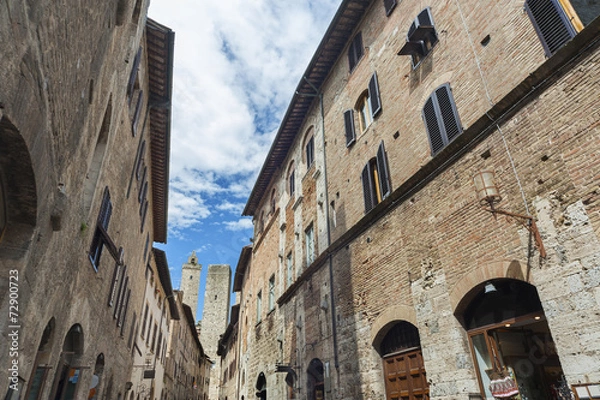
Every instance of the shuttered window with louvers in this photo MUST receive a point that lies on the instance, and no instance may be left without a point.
(441, 118)
(551, 24)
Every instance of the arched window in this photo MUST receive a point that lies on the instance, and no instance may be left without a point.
(309, 148)
(68, 371)
(40, 371)
(291, 179)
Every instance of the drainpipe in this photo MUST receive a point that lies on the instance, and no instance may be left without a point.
(328, 225)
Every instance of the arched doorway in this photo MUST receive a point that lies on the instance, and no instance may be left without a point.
(261, 387)
(41, 368)
(404, 370)
(315, 380)
(510, 340)
(68, 373)
(96, 378)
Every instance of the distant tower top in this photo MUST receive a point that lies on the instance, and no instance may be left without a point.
(190, 282)
(193, 259)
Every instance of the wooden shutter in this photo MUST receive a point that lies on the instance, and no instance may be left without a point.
(349, 124)
(448, 113)
(551, 24)
(355, 51)
(133, 74)
(383, 171)
(368, 188)
(374, 97)
(136, 114)
(105, 210)
(441, 118)
(432, 125)
(389, 6)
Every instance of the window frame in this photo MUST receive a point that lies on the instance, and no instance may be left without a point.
(375, 179)
(309, 151)
(289, 269)
(438, 118)
(309, 242)
(271, 299)
(259, 306)
(355, 51)
(100, 237)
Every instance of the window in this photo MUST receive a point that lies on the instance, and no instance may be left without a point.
(368, 107)
(100, 235)
(441, 118)
(289, 268)
(551, 23)
(376, 180)
(309, 236)
(355, 52)
(363, 108)
(349, 124)
(310, 152)
(389, 6)
(272, 293)
(144, 321)
(133, 74)
(259, 306)
(291, 180)
(421, 37)
(273, 201)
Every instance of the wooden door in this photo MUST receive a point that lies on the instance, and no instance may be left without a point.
(405, 377)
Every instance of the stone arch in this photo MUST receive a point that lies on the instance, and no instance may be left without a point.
(18, 193)
(386, 320)
(499, 269)
(67, 373)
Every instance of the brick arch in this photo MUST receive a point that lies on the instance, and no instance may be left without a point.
(387, 318)
(460, 293)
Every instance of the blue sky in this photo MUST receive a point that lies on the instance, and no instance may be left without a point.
(236, 66)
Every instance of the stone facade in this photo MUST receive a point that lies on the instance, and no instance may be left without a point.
(187, 366)
(83, 188)
(215, 317)
(372, 280)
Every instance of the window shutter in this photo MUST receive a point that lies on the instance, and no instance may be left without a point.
(367, 188)
(389, 6)
(355, 51)
(383, 171)
(431, 124)
(424, 18)
(374, 97)
(551, 24)
(133, 74)
(349, 123)
(136, 114)
(448, 113)
(105, 210)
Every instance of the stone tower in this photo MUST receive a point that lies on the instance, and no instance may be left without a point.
(190, 282)
(215, 318)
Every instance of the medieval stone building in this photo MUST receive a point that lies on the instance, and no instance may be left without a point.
(85, 93)
(427, 220)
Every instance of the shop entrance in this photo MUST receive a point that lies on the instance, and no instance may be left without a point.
(511, 344)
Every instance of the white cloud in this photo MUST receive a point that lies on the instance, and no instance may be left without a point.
(239, 225)
(237, 64)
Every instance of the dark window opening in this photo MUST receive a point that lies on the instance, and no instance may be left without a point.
(355, 51)
(376, 180)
